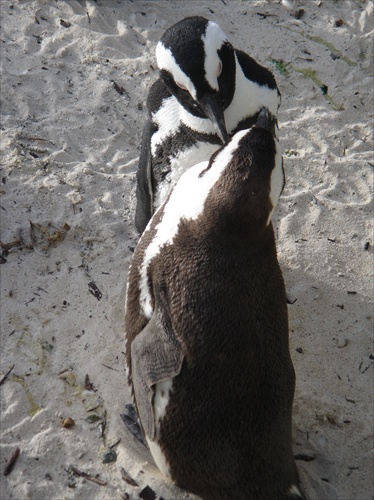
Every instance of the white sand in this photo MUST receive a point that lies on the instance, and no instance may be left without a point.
(69, 149)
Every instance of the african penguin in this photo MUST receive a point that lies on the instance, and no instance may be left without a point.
(207, 90)
(207, 330)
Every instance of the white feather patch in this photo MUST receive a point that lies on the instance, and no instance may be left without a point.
(295, 491)
(159, 458)
(203, 125)
(183, 205)
(183, 160)
(248, 99)
(160, 402)
(213, 40)
(166, 60)
(168, 121)
(169, 118)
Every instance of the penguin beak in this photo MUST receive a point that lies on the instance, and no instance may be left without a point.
(266, 120)
(263, 118)
(213, 110)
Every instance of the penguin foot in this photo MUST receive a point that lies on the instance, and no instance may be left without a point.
(131, 421)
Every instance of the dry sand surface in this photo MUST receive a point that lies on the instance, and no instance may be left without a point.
(75, 76)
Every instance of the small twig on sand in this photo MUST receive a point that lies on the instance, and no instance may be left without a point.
(110, 368)
(94, 408)
(114, 444)
(7, 373)
(103, 425)
(88, 476)
(12, 460)
(88, 385)
(126, 477)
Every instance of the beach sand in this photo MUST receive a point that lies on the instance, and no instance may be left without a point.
(75, 77)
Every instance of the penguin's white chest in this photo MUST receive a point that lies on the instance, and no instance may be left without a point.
(180, 163)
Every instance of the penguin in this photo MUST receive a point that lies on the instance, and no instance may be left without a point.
(206, 328)
(206, 91)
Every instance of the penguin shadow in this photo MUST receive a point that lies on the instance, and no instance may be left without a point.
(329, 331)
(313, 466)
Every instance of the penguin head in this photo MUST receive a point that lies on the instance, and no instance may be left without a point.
(197, 64)
(245, 194)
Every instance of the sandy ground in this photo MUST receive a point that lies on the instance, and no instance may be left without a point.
(75, 76)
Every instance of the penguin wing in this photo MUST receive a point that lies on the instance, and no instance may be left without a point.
(144, 185)
(144, 190)
(156, 356)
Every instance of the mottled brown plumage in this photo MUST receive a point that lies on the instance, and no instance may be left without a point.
(218, 298)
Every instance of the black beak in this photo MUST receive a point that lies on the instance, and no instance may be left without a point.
(262, 119)
(266, 120)
(212, 108)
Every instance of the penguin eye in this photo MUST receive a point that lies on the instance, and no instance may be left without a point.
(181, 86)
(219, 71)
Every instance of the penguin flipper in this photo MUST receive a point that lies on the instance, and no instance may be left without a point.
(156, 356)
(144, 189)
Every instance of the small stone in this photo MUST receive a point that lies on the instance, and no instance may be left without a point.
(92, 419)
(67, 423)
(147, 494)
(342, 343)
(108, 456)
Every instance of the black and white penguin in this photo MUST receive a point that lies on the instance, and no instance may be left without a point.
(207, 90)
(207, 330)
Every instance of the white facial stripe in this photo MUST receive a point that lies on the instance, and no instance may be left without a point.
(186, 202)
(166, 60)
(168, 121)
(249, 98)
(213, 40)
(203, 125)
(276, 180)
